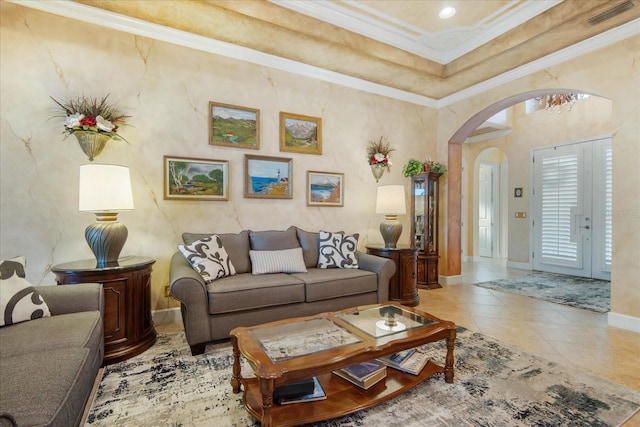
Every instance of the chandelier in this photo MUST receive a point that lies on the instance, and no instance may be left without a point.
(549, 102)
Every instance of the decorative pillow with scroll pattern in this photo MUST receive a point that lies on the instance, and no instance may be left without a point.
(208, 257)
(337, 250)
(19, 301)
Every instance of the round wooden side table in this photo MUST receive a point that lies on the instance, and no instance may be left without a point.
(128, 327)
(403, 284)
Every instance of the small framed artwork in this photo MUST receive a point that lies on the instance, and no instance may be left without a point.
(325, 189)
(233, 126)
(517, 192)
(300, 134)
(268, 177)
(195, 179)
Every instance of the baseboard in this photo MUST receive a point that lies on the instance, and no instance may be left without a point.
(166, 316)
(519, 265)
(623, 321)
(450, 280)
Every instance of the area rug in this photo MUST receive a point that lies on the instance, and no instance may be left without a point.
(495, 385)
(579, 292)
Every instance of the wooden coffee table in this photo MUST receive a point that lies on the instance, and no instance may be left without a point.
(295, 349)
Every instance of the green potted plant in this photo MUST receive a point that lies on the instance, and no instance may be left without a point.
(413, 167)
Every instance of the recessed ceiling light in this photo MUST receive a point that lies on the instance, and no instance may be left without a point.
(447, 12)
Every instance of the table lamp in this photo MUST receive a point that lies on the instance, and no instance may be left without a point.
(105, 189)
(390, 201)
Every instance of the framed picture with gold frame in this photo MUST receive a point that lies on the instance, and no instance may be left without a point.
(234, 126)
(300, 134)
(187, 178)
(325, 189)
(268, 177)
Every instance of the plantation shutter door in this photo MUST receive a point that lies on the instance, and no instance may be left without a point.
(603, 208)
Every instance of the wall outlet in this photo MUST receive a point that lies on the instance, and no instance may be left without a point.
(167, 293)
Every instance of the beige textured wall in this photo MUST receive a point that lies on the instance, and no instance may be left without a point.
(166, 90)
(612, 73)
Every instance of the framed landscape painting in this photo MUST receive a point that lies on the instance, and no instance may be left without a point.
(195, 179)
(325, 189)
(233, 126)
(300, 134)
(268, 177)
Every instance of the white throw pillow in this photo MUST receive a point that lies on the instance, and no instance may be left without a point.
(209, 258)
(284, 261)
(19, 301)
(337, 250)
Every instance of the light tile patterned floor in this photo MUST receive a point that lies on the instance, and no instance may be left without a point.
(570, 336)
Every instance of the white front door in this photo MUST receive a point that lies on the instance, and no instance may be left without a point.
(567, 239)
(486, 209)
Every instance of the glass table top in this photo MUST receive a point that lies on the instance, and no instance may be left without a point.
(295, 339)
(288, 340)
(385, 320)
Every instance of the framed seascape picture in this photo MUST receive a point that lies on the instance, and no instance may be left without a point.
(268, 177)
(195, 179)
(325, 189)
(300, 134)
(233, 126)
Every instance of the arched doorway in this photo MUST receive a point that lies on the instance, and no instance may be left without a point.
(454, 205)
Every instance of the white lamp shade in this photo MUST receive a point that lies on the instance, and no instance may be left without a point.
(390, 200)
(105, 188)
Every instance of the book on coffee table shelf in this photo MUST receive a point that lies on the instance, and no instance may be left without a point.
(317, 394)
(294, 389)
(364, 374)
(411, 361)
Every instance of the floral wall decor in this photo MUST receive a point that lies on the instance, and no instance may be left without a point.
(93, 122)
(379, 158)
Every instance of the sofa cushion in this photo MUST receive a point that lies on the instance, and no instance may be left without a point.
(48, 387)
(247, 292)
(19, 301)
(322, 284)
(274, 240)
(236, 245)
(310, 242)
(81, 329)
(12, 266)
(337, 250)
(284, 261)
(209, 258)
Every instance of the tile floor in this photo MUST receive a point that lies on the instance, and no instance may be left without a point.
(573, 337)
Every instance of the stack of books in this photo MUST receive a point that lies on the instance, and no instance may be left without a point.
(364, 374)
(411, 361)
(299, 392)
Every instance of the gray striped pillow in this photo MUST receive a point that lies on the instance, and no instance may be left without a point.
(284, 261)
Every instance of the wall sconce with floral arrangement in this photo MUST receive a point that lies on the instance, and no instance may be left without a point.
(93, 122)
(415, 167)
(379, 158)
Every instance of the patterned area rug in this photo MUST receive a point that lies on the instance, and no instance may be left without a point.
(495, 385)
(579, 292)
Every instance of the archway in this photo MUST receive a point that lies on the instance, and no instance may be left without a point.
(454, 205)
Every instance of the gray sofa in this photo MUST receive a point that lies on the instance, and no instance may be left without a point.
(48, 366)
(210, 311)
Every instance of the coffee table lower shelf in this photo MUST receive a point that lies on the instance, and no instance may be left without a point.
(342, 397)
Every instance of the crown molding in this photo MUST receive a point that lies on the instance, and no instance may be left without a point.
(104, 18)
(441, 47)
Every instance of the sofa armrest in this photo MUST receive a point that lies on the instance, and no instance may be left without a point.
(383, 267)
(188, 287)
(63, 299)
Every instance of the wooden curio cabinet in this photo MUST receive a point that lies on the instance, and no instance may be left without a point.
(424, 227)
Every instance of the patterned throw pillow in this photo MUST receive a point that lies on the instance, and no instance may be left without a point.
(19, 301)
(208, 257)
(284, 261)
(337, 250)
(13, 266)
